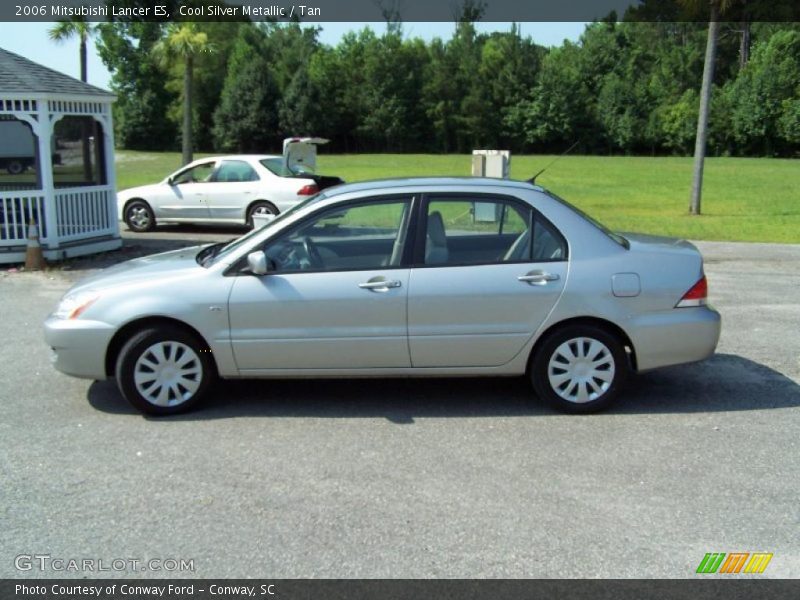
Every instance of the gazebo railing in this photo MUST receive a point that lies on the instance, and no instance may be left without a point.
(17, 210)
(81, 213)
(84, 212)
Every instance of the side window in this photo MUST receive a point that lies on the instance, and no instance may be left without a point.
(462, 232)
(235, 171)
(198, 174)
(548, 244)
(356, 237)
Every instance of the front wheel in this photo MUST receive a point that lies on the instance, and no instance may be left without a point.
(164, 371)
(139, 216)
(579, 369)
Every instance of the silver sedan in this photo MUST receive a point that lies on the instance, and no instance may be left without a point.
(413, 277)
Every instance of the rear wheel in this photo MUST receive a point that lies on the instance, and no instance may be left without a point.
(15, 167)
(261, 207)
(164, 371)
(579, 369)
(139, 216)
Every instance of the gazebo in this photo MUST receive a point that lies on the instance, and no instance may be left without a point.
(56, 162)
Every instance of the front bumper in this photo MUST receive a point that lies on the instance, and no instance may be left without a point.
(79, 346)
(682, 335)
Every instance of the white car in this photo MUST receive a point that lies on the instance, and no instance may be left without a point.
(227, 189)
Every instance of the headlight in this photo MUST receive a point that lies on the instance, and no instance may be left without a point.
(72, 305)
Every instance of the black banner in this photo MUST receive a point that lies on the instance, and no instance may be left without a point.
(320, 11)
(293, 589)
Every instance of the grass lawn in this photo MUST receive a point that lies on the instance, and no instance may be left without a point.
(753, 200)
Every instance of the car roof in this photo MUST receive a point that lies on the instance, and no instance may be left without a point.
(236, 157)
(469, 182)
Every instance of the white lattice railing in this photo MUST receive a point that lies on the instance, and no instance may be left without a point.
(17, 209)
(83, 212)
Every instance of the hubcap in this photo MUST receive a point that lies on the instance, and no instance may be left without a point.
(263, 210)
(581, 370)
(168, 373)
(139, 216)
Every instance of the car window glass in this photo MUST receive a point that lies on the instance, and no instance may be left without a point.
(198, 174)
(463, 232)
(548, 244)
(235, 171)
(358, 237)
(277, 166)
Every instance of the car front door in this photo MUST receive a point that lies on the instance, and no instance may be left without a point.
(491, 270)
(335, 296)
(185, 197)
(233, 186)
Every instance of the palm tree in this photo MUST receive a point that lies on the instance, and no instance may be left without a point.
(75, 27)
(715, 8)
(83, 30)
(183, 43)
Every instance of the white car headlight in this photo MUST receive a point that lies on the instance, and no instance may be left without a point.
(72, 305)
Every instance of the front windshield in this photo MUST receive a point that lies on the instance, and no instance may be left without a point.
(278, 167)
(239, 242)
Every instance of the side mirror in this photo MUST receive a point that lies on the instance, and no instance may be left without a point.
(170, 181)
(257, 262)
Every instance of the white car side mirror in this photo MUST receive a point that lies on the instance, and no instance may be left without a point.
(257, 262)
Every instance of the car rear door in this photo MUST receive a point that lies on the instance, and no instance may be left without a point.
(335, 297)
(488, 271)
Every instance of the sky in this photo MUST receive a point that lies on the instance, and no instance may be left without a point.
(31, 41)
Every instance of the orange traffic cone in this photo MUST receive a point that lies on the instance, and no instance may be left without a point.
(34, 259)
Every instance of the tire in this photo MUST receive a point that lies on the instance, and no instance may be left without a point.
(189, 367)
(15, 167)
(139, 216)
(590, 379)
(260, 207)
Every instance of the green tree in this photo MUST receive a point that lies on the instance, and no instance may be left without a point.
(141, 110)
(767, 95)
(246, 119)
(183, 44)
(76, 27)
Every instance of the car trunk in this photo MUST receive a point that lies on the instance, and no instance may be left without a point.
(300, 155)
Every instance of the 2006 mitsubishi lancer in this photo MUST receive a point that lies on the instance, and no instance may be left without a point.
(409, 277)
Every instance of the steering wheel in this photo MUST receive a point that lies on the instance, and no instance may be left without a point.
(312, 252)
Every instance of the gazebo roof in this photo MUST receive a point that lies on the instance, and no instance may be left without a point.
(18, 75)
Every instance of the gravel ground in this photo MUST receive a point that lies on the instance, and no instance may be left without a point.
(455, 478)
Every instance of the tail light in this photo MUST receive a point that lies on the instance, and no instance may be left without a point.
(696, 296)
(308, 190)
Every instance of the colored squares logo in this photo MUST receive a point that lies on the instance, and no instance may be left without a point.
(734, 562)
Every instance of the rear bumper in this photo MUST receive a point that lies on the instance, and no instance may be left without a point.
(78, 346)
(679, 336)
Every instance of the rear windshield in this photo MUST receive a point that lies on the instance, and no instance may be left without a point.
(279, 168)
(614, 236)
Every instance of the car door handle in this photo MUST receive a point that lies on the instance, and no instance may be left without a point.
(380, 285)
(538, 277)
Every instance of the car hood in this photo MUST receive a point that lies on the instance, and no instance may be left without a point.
(167, 266)
(139, 191)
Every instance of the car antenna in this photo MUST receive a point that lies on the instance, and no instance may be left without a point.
(532, 180)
